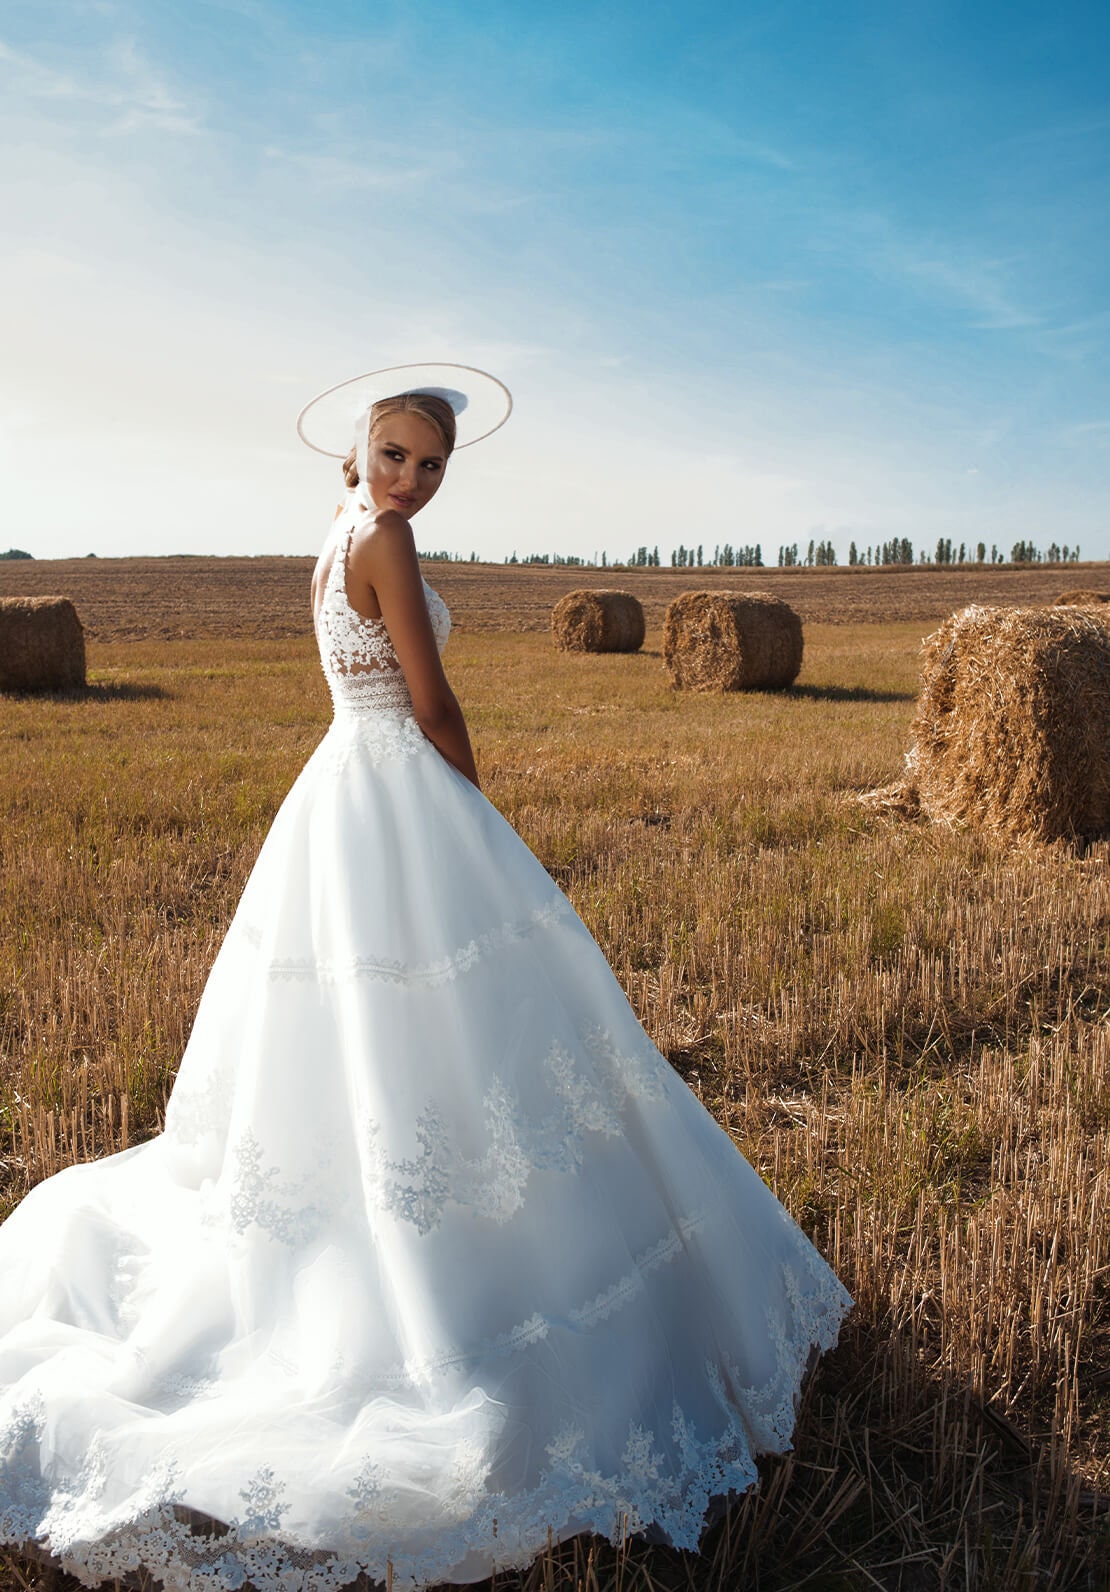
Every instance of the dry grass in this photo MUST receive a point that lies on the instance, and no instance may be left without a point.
(906, 1030)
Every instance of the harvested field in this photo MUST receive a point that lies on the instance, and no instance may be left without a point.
(173, 598)
(906, 1030)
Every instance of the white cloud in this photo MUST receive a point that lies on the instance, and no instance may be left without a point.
(379, 169)
(133, 90)
(976, 284)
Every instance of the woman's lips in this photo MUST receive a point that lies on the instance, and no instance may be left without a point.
(401, 501)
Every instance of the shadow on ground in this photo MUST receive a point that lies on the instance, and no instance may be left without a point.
(850, 693)
(98, 691)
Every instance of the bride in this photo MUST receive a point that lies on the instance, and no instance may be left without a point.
(437, 1259)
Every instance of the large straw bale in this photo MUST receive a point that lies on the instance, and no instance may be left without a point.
(598, 621)
(731, 641)
(1081, 599)
(42, 644)
(1012, 729)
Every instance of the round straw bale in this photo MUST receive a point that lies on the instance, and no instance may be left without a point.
(731, 641)
(1012, 728)
(1081, 599)
(42, 644)
(598, 621)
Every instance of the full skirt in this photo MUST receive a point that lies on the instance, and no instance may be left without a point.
(437, 1258)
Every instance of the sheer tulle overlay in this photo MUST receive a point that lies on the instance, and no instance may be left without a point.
(436, 1255)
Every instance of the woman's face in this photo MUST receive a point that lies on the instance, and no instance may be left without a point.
(405, 464)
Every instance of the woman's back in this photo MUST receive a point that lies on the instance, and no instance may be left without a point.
(358, 658)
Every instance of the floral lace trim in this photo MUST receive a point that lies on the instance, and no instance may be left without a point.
(816, 1316)
(651, 1487)
(585, 1100)
(343, 970)
(378, 737)
(260, 1197)
(588, 1094)
(419, 1371)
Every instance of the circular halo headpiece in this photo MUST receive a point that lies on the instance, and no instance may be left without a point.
(480, 402)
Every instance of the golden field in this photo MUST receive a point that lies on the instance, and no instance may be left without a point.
(907, 1030)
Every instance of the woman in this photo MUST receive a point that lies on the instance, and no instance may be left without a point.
(437, 1259)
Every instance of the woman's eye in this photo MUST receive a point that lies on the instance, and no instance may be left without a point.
(431, 464)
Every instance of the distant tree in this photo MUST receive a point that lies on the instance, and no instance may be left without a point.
(1025, 553)
(17, 552)
(981, 553)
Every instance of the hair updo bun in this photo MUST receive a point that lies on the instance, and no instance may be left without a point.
(436, 411)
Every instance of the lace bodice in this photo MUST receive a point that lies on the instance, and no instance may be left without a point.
(362, 669)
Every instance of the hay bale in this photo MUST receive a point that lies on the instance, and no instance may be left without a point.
(1080, 599)
(42, 644)
(598, 621)
(731, 641)
(1012, 728)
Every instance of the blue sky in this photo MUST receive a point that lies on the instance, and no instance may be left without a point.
(753, 273)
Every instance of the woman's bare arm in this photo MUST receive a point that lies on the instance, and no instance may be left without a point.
(384, 559)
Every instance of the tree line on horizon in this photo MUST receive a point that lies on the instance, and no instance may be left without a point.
(818, 555)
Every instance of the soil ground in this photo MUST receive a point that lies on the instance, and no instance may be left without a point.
(122, 599)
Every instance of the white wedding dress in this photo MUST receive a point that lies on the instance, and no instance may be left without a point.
(437, 1257)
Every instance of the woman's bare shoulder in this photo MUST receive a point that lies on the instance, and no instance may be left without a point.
(384, 536)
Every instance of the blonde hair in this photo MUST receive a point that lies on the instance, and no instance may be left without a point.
(436, 411)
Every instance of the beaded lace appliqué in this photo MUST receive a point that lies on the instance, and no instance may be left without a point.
(362, 669)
